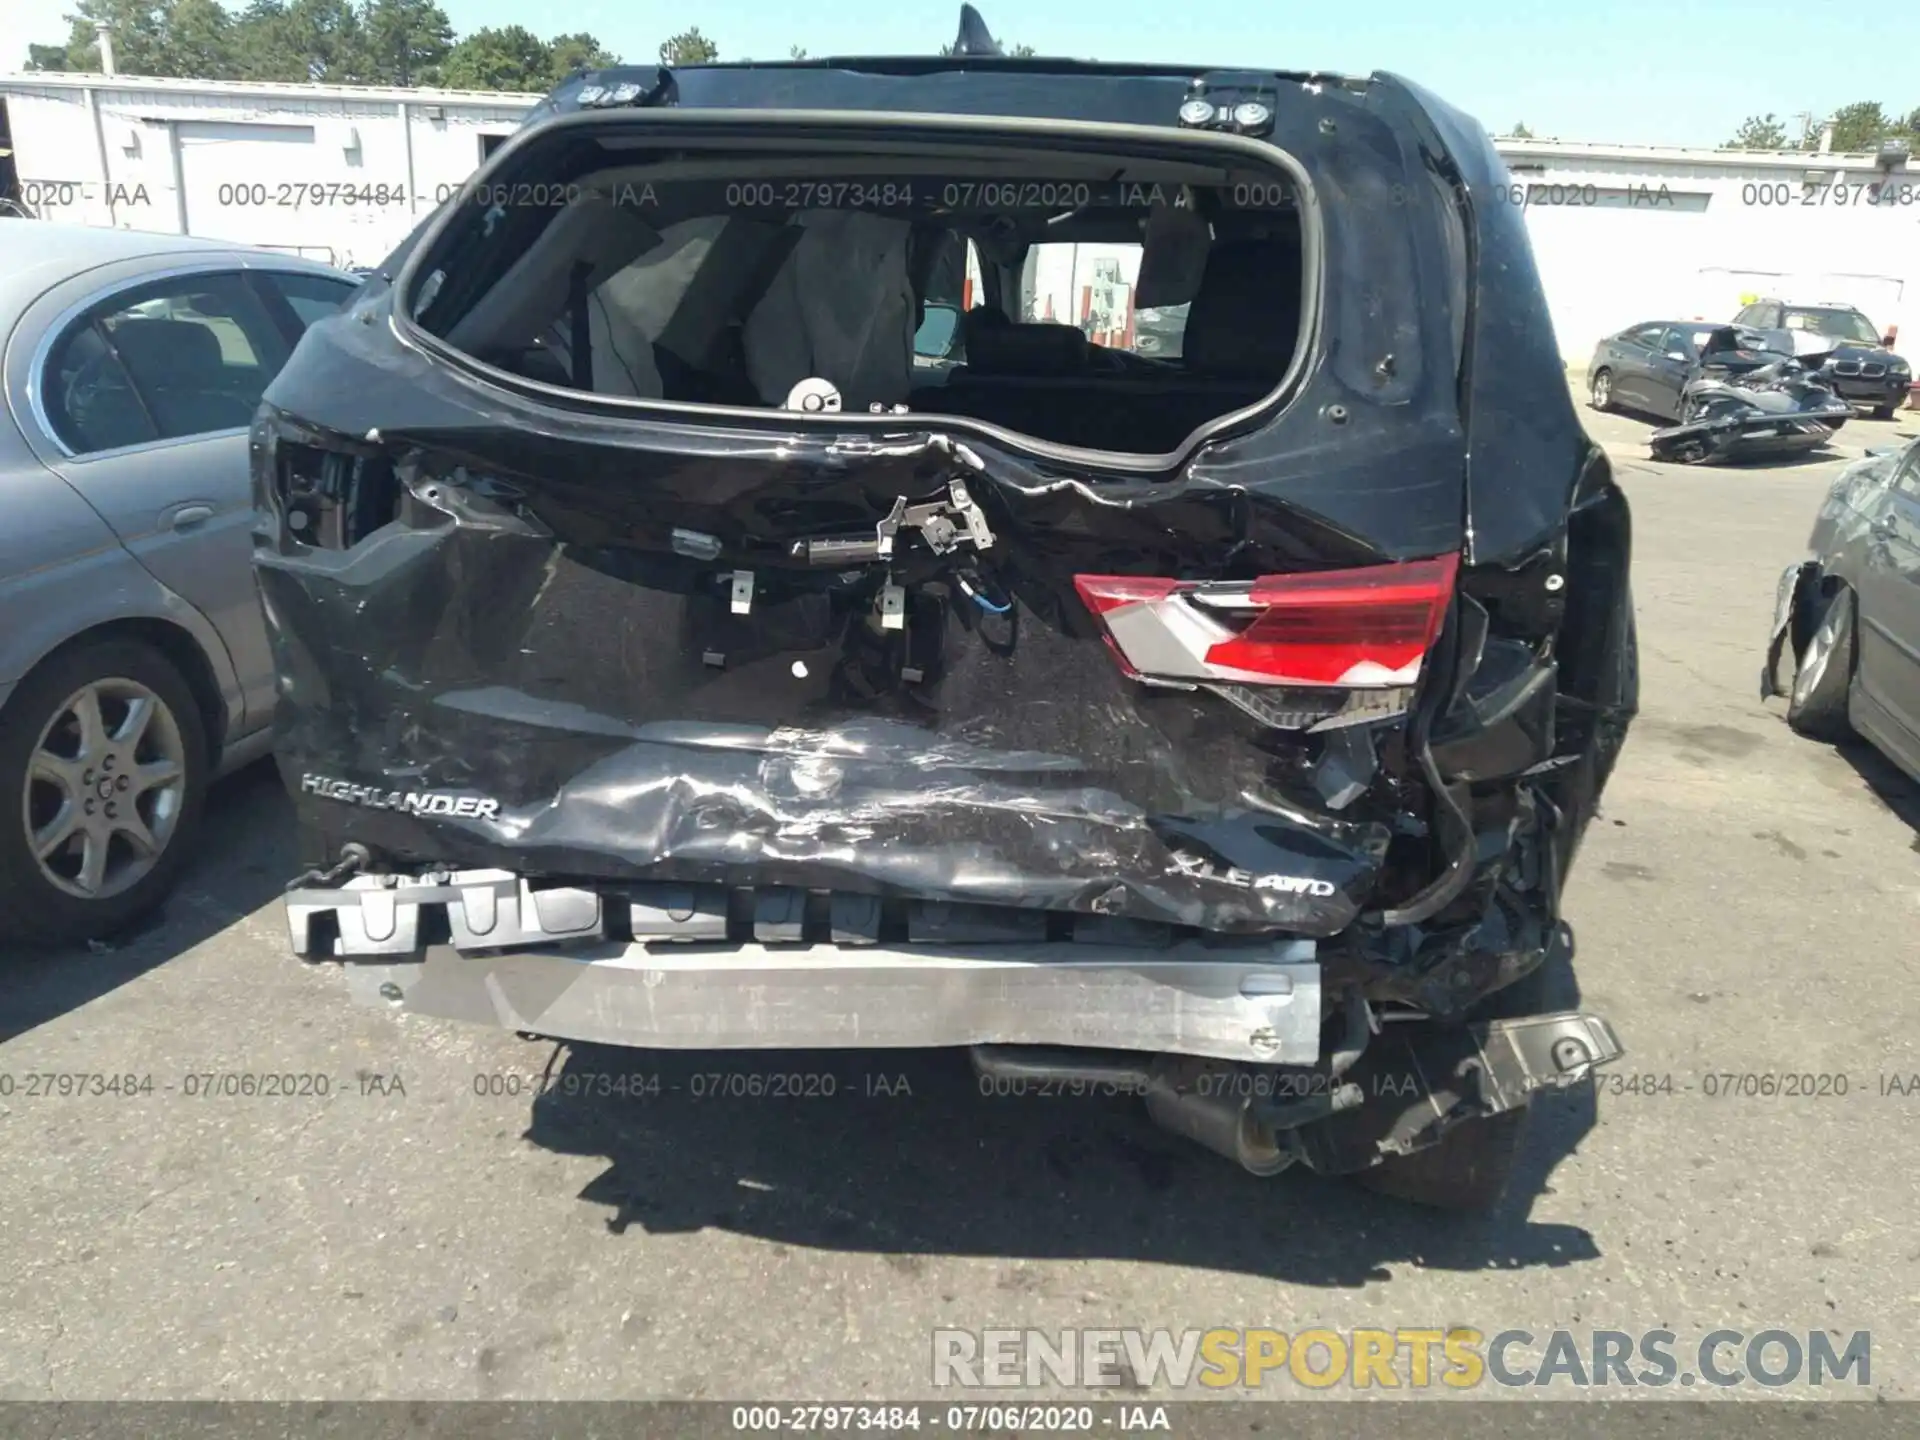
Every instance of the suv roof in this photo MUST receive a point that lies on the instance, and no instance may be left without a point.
(1806, 304)
(873, 82)
(973, 49)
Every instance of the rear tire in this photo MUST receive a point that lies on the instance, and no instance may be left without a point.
(130, 791)
(1823, 674)
(1600, 389)
(1884, 412)
(1468, 1171)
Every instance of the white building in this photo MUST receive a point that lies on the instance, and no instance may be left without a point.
(1622, 233)
(1630, 233)
(337, 172)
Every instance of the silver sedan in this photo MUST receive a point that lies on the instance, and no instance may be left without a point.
(133, 657)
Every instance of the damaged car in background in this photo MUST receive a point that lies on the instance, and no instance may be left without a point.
(1849, 613)
(1838, 342)
(668, 660)
(1733, 397)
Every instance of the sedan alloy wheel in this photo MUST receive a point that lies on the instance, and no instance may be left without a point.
(106, 786)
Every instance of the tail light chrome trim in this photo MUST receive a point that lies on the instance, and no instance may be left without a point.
(1363, 628)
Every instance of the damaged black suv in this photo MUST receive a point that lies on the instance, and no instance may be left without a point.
(673, 653)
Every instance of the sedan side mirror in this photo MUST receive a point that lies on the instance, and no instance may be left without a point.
(1887, 339)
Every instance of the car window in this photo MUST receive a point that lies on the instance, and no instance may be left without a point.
(1835, 324)
(1645, 335)
(1906, 479)
(1672, 339)
(89, 400)
(311, 297)
(189, 355)
(1749, 315)
(1093, 286)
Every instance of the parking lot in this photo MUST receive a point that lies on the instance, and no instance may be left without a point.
(1747, 903)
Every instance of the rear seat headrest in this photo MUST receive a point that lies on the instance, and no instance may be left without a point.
(1042, 348)
(973, 321)
(1245, 321)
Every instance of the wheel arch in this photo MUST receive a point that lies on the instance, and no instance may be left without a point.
(177, 645)
(1818, 591)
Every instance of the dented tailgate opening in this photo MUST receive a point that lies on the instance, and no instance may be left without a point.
(825, 267)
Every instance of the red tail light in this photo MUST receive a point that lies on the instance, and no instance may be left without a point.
(1364, 628)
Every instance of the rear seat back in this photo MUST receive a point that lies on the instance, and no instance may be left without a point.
(1043, 349)
(1241, 332)
(841, 308)
(1245, 321)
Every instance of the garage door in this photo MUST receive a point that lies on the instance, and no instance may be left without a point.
(235, 177)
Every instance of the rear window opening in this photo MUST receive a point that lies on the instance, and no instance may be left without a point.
(1103, 301)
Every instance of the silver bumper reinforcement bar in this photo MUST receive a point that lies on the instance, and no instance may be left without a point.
(1260, 1007)
(544, 961)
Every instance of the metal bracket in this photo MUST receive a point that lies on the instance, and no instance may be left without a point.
(742, 592)
(977, 530)
(1418, 1088)
(935, 522)
(943, 524)
(893, 606)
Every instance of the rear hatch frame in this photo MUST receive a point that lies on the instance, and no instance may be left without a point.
(792, 127)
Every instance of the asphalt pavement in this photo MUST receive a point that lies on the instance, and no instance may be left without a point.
(1748, 903)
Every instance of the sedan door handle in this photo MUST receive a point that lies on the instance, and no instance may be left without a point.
(188, 516)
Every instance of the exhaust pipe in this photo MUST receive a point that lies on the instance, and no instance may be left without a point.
(1229, 1108)
(1207, 1106)
(1424, 1084)
(1207, 1101)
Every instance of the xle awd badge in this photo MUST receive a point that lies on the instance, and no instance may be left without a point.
(1199, 865)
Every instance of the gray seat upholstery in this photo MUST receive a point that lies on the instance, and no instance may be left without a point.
(186, 383)
(1241, 332)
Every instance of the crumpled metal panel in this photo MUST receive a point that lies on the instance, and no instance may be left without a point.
(475, 653)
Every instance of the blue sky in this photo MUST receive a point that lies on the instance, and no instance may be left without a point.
(1680, 72)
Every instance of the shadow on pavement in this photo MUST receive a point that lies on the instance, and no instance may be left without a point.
(1890, 785)
(900, 1153)
(246, 856)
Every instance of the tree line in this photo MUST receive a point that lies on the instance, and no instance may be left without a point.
(1857, 128)
(411, 42)
(374, 42)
